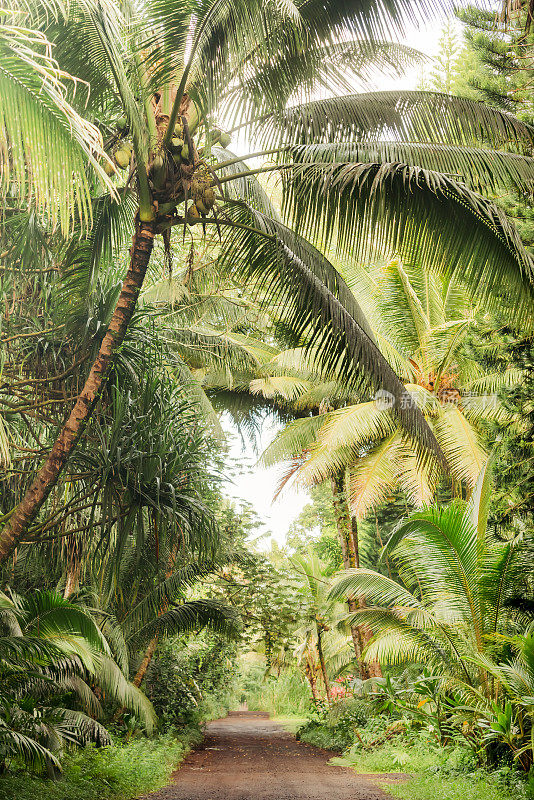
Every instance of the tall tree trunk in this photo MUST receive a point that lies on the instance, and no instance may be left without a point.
(347, 527)
(312, 680)
(372, 666)
(145, 663)
(46, 478)
(71, 584)
(74, 559)
(322, 662)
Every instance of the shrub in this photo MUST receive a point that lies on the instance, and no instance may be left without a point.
(118, 772)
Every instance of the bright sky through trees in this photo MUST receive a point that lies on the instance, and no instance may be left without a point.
(257, 485)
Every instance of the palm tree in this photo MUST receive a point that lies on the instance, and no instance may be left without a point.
(451, 604)
(319, 617)
(50, 648)
(159, 75)
(421, 320)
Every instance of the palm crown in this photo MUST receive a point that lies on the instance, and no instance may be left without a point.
(420, 320)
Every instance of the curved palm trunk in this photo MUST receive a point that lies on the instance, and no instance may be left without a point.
(145, 663)
(347, 527)
(65, 443)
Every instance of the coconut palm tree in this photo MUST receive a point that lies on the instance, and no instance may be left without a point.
(450, 605)
(319, 616)
(421, 320)
(160, 74)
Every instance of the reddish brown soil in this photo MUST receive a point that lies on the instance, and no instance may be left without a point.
(249, 757)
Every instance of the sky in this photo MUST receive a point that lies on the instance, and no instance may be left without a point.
(252, 483)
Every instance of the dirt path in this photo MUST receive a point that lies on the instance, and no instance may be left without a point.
(249, 757)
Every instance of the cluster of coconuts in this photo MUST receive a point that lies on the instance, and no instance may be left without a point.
(123, 151)
(202, 194)
(178, 145)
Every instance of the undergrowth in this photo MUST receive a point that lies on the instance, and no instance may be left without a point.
(118, 772)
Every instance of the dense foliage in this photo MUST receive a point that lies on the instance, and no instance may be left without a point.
(375, 302)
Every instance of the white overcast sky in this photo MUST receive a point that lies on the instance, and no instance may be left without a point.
(257, 485)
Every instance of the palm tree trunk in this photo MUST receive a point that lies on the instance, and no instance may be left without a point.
(71, 583)
(312, 680)
(323, 664)
(347, 527)
(145, 663)
(46, 478)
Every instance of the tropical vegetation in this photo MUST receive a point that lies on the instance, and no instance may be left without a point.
(210, 217)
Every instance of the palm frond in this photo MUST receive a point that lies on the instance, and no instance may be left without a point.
(411, 115)
(317, 305)
(336, 68)
(373, 477)
(292, 440)
(479, 168)
(423, 215)
(187, 617)
(45, 145)
(112, 680)
(460, 442)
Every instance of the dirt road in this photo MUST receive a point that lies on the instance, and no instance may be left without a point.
(249, 757)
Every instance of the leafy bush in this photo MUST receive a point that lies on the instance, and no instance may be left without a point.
(334, 728)
(120, 771)
(188, 685)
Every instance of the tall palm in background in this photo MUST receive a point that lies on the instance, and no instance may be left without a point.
(421, 320)
(160, 74)
(319, 618)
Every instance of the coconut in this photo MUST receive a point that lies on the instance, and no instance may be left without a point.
(158, 162)
(193, 214)
(122, 123)
(201, 206)
(109, 169)
(122, 156)
(176, 143)
(225, 139)
(208, 198)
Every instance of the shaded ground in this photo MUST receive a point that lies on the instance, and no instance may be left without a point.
(247, 756)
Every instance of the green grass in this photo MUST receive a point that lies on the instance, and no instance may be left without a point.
(395, 756)
(477, 786)
(436, 773)
(290, 722)
(118, 772)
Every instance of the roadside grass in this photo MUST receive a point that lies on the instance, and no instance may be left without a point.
(476, 786)
(436, 773)
(119, 772)
(289, 722)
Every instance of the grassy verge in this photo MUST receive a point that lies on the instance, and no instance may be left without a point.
(289, 722)
(118, 772)
(437, 773)
(473, 787)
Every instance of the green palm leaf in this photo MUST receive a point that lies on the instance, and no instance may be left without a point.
(187, 617)
(481, 169)
(45, 145)
(411, 115)
(423, 215)
(318, 306)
